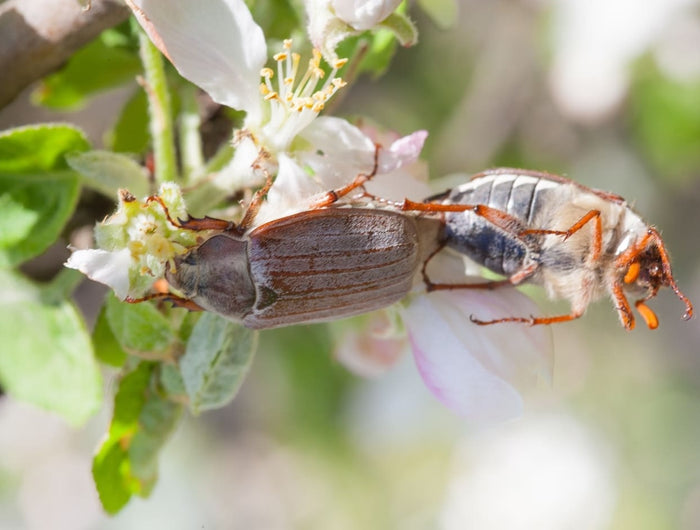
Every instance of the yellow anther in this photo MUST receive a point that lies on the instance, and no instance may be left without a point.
(318, 107)
(338, 83)
(287, 44)
(338, 64)
(288, 80)
(281, 56)
(271, 96)
(264, 90)
(267, 73)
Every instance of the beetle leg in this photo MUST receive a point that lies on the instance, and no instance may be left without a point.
(494, 216)
(255, 204)
(192, 223)
(177, 301)
(532, 321)
(623, 307)
(512, 280)
(597, 234)
(332, 196)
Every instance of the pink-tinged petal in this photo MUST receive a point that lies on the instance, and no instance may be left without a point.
(108, 268)
(215, 44)
(368, 355)
(477, 371)
(364, 14)
(402, 152)
(370, 344)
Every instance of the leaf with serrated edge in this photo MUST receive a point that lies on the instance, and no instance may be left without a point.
(216, 360)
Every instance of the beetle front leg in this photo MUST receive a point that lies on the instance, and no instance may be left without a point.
(192, 223)
(177, 301)
(255, 203)
(623, 307)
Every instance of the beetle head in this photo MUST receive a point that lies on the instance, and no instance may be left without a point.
(216, 276)
(648, 270)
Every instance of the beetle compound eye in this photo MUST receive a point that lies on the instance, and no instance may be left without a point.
(632, 273)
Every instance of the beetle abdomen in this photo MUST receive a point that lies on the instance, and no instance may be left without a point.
(517, 193)
(326, 264)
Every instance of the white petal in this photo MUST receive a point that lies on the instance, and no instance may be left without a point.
(215, 44)
(339, 151)
(108, 268)
(292, 192)
(477, 371)
(364, 14)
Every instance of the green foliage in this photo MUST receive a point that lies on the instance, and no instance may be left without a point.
(102, 64)
(107, 347)
(139, 328)
(46, 356)
(107, 172)
(666, 119)
(126, 462)
(130, 133)
(38, 192)
(216, 361)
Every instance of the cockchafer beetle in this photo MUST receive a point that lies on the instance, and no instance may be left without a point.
(328, 262)
(547, 230)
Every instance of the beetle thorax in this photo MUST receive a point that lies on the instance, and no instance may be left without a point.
(216, 276)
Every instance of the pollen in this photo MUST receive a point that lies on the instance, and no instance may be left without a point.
(296, 96)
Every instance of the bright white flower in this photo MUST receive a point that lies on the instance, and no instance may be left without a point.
(332, 21)
(219, 47)
(364, 14)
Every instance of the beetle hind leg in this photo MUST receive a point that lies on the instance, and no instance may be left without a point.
(531, 321)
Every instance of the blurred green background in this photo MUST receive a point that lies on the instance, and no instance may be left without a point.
(606, 93)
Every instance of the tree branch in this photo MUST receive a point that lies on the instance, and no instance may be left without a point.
(38, 36)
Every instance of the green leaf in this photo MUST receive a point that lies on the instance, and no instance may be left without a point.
(111, 468)
(130, 134)
(139, 328)
(402, 27)
(108, 172)
(377, 49)
(107, 347)
(37, 148)
(126, 463)
(38, 192)
(47, 356)
(110, 471)
(94, 68)
(171, 380)
(157, 421)
(216, 361)
(130, 399)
